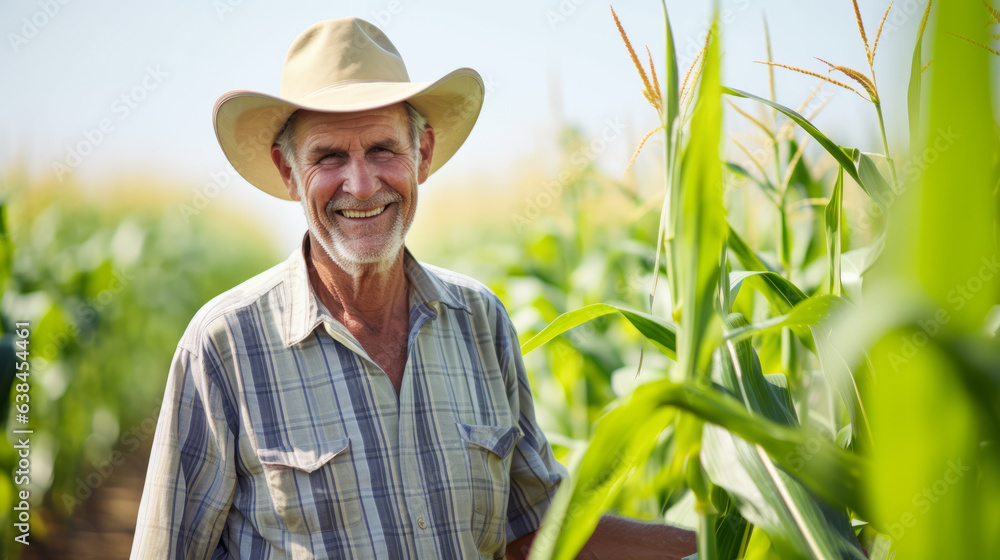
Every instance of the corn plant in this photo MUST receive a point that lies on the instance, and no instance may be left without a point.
(108, 285)
(803, 419)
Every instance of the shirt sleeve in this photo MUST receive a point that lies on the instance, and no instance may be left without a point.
(191, 476)
(534, 473)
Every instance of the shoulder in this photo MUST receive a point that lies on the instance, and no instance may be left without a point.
(477, 296)
(488, 314)
(261, 292)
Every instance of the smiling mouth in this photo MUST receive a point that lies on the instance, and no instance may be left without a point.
(362, 213)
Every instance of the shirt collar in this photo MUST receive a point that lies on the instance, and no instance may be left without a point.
(304, 312)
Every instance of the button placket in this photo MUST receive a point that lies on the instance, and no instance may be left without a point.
(417, 511)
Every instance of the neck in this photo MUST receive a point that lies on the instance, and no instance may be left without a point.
(365, 296)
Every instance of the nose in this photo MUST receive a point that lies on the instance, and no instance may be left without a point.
(359, 179)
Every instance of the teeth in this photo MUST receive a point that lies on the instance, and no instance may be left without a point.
(357, 214)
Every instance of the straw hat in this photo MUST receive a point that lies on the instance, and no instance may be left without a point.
(341, 65)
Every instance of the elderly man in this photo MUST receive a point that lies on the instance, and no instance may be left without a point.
(352, 401)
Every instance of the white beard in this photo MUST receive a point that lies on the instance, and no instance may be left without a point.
(346, 254)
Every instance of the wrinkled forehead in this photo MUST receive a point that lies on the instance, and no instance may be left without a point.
(391, 120)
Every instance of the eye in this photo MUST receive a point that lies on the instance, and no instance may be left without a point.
(328, 158)
(381, 153)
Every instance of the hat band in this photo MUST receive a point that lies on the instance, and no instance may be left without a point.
(345, 83)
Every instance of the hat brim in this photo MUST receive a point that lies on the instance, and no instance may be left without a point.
(247, 122)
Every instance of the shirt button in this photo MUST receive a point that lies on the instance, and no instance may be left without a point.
(421, 523)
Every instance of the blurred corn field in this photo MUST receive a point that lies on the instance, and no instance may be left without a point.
(107, 280)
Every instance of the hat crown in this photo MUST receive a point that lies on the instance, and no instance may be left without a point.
(339, 51)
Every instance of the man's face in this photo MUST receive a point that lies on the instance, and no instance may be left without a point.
(356, 177)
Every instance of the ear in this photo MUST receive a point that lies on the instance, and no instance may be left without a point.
(285, 170)
(426, 151)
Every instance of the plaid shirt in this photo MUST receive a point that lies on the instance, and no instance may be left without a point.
(279, 437)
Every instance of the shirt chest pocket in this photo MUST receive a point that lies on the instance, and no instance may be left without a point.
(489, 455)
(313, 489)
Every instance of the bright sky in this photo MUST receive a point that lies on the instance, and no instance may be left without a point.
(66, 65)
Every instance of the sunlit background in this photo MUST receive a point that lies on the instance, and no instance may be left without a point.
(546, 65)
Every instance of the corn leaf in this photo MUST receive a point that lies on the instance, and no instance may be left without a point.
(781, 293)
(834, 216)
(768, 496)
(913, 92)
(844, 157)
(703, 225)
(839, 374)
(872, 180)
(747, 257)
(764, 184)
(943, 503)
(672, 79)
(813, 311)
(622, 439)
(662, 333)
(831, 472)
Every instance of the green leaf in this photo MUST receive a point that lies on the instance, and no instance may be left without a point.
(872, 181)
(672, 78)
(8, 371)
(839, 375)
(812, 311)
(855, 263)
(913, 89)
(764, 184)
(741, 375)
(670, 121)
(731, 528)
(834, 216)
(775, 501)
(831, 472)
(663, 334)
(830, 146)
(747, 257)
(703, 224)
(881, 547)
(846, 158)
(780, 293)
(622, 439)
(53, 334)
(6, 248)
(944, 240)
(768, 496)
